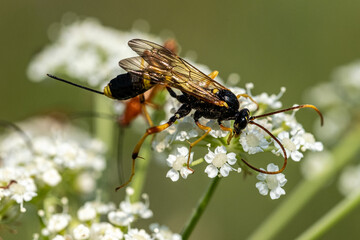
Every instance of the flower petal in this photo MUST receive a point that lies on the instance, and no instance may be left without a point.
(211, 171)
(173, 175)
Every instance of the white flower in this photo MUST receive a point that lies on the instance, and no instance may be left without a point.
(253, 140)
(58, 222)
(219, 160)
(81, 232)
(178, 164)
(51, 177)
(291, 145)
(140, 209)
(96, 48)
(216, 131)
(86, 213)
(271, 101)
(105, 231)
(307, 141)
(120, 218)
(136, 234)
(129, 211)
(349, 181)
(23, 190)
(163, 232)
(185, 129)
(316, 163)
(85, 182)
(59, 237)
(272, 182)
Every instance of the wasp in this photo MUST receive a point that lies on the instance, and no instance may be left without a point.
(157, 65)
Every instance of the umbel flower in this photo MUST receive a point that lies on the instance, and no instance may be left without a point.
(56, 149)
(225, 158)
(279, 134)
(105, 221)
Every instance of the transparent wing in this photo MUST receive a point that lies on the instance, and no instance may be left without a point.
(165, 67)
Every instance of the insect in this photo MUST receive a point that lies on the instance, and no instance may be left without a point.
(157, 65)
(136, 105)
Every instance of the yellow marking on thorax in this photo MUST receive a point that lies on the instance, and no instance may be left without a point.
(215, 90)
(147, 81)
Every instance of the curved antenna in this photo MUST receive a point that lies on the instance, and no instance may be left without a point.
(292, 108)
(281, 146)
(74, 84)
(20, 131)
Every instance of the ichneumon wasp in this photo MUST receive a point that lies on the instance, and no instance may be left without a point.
(157, 65)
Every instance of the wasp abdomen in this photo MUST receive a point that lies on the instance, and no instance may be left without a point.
(126, 86)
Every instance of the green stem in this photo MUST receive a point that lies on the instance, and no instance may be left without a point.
(332, 217)
(342, 154)
(200, 208)
(141, 167)
(196, 162)
(104, 130)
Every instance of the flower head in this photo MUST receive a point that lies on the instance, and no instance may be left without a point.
(271, 182)
(178, 164)
(219, 161)
(253, 140)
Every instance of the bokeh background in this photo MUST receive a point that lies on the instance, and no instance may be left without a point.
(295, 44)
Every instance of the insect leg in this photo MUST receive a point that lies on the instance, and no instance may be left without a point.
(231, 134)
(181, 98)
(249, 97)
(181, 112)
(207, 129)
(9, 184)
(213, 74)
(143, 107)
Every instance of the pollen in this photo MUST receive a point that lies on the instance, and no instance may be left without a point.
(288, 144)
(252, 140)
(219, 160)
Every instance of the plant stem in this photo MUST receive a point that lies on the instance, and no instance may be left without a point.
(104, 130)
(348, 146)
(200, 208)
(141, 167)
(332, 217)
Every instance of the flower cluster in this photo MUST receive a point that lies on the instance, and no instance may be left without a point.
(340, 99)
(86, 51)
(80, 41)
(222, 158)
(52, 150)
(90, 223)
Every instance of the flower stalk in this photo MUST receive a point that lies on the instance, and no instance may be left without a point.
(200, 208)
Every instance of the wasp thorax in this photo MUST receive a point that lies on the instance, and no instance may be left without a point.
(241, 120)
(229, 98)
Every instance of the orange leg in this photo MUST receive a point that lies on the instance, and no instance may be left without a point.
(182, 112)
(213, 74)
(249, 97)
(146, 113)
(205, 128)
(231, 134)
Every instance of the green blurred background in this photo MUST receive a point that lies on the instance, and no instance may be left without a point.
(295, 44)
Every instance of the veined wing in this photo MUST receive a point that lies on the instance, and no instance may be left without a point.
(167, 68)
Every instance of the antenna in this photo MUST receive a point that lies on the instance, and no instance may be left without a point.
(74, 84)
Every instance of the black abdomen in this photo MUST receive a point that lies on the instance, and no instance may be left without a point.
(126, 86)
